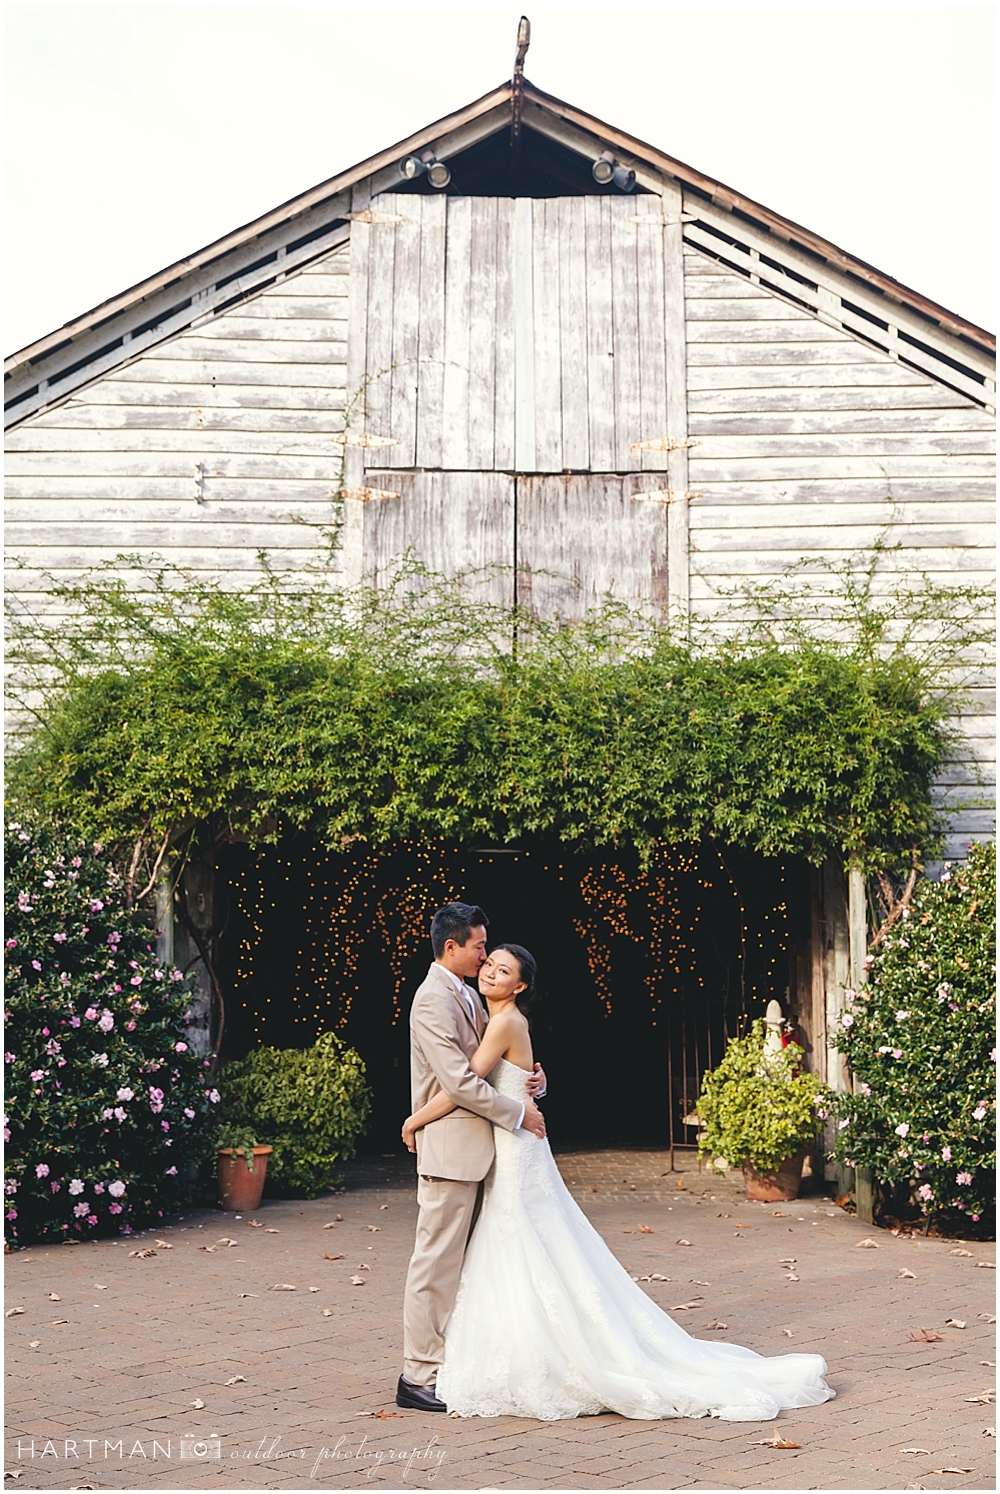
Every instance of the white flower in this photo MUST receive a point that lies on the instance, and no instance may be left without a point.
(107, 1021)
(100, 1059)
(116, 1189)
(75, 1186)
(980, 1112)
(42, 1170)
(901, 1016)
(215, 1097)
(120, 1113)
(81, 1209)
(125, 1094)
(903, 1129)
(846, 1020)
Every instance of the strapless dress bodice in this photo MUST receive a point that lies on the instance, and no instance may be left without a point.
(508, 1079)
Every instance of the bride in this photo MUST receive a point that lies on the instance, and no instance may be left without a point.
(547, 1323)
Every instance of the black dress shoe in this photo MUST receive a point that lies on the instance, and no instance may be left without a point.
(417, 1397)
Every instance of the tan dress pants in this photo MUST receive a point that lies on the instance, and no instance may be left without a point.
(448, 1210)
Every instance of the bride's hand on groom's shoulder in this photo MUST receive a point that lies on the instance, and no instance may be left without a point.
(536, 1084)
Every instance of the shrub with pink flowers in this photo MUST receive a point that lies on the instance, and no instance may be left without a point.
(106, 1106)
(920, 1041)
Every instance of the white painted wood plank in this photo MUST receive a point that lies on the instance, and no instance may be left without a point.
(207, 372)
(375, 411)
(159, 394)
(524, 336)
(751, 538)
(145, 536)
(505, 373)
(761, 333)
(218, 561)
(430, 390)
(678, 383)
(458, 289)
(916, 395)
(574, 391)
(762, 309)
(62, 466)
(115, 425)
(273, 329)
(945, 564)
(918, 424)
(600, 335)
(178, 489)
(884, 374)
(183, 434)
(769, 355)
(454, 521)
(625, 317)
(832, 490)
(482, 314)
(839, 444)
(193, 347)
(547, 250)
(651, 335)
(239, 508)
(798, 469)
(735, 515)
(406, 371)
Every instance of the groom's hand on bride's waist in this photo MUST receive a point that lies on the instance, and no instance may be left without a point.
(534, 1120)
(536, 1083)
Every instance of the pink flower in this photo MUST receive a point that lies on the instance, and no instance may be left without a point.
(926, 1192)
(96, 905)
(76, 1186)
(117, 1188)
(42, 1170)
(55, 1186)
(91, 1218)
(9, 1058)
(11, 943)
(59, 938)
(846, 1020)
(974, 1217)
(114, 1208)
(136, 980)
(37, 1074)
(130, 1027)
(213, 1095)
(180, 1047)
(36, 965)
(980, 1111)
(842, 1125)
(107, 1021)
(74, 1021)
(81, 1209)
(11, 1213)
(926, 1136)
(189, 1112)
(171, 1172)
(98, 1187)
(165, 1125)
(91, 1014)
(897, 1052)
(946, 1154)
(963, 1178)
(865, 1089)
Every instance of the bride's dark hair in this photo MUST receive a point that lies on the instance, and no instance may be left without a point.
(528, 968)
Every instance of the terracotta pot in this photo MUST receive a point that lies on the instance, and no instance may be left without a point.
(239, 1186)
(780, 1186)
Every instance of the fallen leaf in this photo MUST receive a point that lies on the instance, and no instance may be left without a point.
(33, 1343)
(644, 1229)
(925, 1336)
(715, 1325)
(236, 1380)
(686, 1306)
(12, 1312)
(363, 1266)
(198, 1405)
(282, 1286)
(53, 1296)
(723, 1216)
(738, 1225)
(953, 1470)
(224, 1241)
(333, 1257)
(684, 1242)
(248, 1294)
(147, 1252)
(791, 1276)
(383, 1206)
(357, 1281)
(986, 1265)
(788, 1260)
(787, 1332)
(628, 1231)
(967, 1253)
(776, 1441)
(314, 1289)
(925, 1450)
(989, 1316)
(655, 1276)
(165, 1244)
(98, 1287)
(778, 1214)
(954, 1322)
(338, 1218)
(209, 1248)
(866, 1244)
(328, 1312)
(255, 1224)
(269, 1230)
(695, 1282)
(71, 1242)
(910, 1275)
(988, 1363)
(984, 1398)
(383, 1415)
(374, 1228)
(593, 1187)
(59, 1322)
(989, 1431)
(332, 1224)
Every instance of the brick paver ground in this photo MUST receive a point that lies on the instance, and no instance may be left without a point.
(129, 1348)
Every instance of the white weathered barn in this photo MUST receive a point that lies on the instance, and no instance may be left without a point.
(539, 348)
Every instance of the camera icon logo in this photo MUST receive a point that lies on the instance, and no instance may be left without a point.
(201, 1448)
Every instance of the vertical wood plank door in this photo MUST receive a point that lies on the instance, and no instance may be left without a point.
(525, 335)
(454, 523)
(583, 538)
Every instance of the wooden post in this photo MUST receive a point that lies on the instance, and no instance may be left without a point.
(857, 917)
(675, 334)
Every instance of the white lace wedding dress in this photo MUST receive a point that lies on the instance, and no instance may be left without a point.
(548, 1324)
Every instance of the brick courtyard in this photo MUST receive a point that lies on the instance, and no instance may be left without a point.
(138, 1350)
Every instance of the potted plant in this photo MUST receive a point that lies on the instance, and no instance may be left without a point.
(242, 1167)
(758, 1111)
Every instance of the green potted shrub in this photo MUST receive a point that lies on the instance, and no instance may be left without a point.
(241, 1168)
(308, 1104)
(758, 1111)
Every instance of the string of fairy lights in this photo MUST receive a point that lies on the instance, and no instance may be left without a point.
(353, 906)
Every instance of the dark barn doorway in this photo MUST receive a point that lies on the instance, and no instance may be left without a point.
(643, 972)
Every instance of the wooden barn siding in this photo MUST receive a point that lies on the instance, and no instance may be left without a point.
(238, 411)
(803, 432)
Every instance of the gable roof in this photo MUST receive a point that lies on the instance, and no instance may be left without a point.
(105, 336)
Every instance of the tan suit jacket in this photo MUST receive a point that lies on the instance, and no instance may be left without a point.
(443, 1037)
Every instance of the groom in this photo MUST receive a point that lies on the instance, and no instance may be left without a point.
(454, 1153)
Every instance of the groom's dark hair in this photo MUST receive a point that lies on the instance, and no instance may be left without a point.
(455, 921)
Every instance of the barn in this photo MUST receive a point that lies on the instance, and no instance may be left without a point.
(524, 342)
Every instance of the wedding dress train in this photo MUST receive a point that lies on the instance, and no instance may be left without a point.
(548, 1324)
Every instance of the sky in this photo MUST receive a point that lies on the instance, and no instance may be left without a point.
(137, 133)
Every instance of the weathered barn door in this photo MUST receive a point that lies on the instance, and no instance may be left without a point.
(526, 337)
